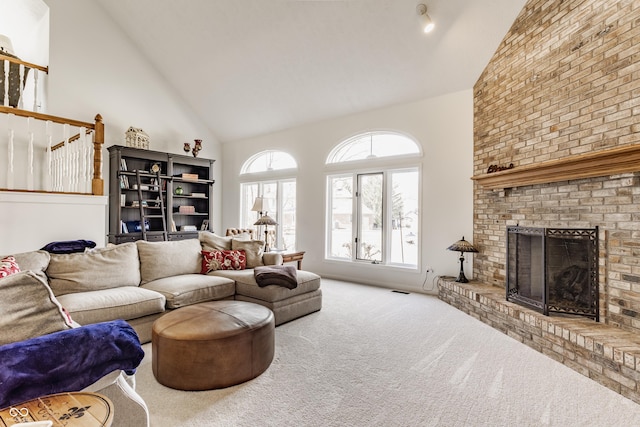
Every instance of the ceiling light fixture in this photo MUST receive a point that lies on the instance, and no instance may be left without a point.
(426, 23)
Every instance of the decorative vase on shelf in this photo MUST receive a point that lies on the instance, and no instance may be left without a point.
(196, 147)
(178, 191)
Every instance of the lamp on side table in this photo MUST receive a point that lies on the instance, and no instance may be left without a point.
(266, 220)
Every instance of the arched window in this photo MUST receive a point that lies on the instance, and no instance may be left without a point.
(373, 145)
(270, 175)
(373, 207)
(269, 160)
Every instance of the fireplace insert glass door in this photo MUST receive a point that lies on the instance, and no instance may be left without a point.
(553, 269)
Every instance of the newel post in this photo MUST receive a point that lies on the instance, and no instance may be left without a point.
(97, 184)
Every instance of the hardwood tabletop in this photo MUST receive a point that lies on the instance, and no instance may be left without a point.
(76, 409)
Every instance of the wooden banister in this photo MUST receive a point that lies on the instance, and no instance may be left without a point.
(26, 64)
(47, 117)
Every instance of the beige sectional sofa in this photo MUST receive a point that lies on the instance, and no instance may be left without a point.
(139, 282)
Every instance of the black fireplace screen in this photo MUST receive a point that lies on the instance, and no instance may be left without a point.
(553, 270)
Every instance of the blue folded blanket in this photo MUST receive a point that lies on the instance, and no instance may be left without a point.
(69, 246)
(68, 360)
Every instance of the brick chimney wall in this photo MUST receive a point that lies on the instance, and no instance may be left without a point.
(564, 81)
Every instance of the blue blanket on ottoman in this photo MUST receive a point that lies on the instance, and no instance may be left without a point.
(68, 360)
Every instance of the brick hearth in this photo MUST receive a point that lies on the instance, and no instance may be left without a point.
(606, 354)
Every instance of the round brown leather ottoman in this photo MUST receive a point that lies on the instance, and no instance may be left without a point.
(212, 345)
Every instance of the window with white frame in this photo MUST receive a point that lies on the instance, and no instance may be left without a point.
(373, 200)
(270, 175)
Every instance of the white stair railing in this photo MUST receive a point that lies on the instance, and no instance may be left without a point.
(33, 163)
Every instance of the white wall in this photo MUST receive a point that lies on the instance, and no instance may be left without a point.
(444, 127)
(30, 221)
(95, 69)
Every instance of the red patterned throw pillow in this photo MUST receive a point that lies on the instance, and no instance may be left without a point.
(223, 260)
(8, 266)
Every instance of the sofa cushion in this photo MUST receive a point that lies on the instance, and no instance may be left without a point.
(188, 289)
(166, 259)
(29, 308)
(8, 266)
(223, 260)
(252, 248)
(36, 261)
(246, 285)
(103, 268)
(125, 302)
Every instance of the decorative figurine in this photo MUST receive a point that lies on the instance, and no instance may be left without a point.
(136, 138)
(196, 147)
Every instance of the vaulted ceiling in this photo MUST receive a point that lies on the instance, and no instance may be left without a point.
(251, 67)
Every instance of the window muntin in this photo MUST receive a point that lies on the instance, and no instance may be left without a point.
(373, 145)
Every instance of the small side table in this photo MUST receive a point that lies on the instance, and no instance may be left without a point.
(292, 256)
(76, 409)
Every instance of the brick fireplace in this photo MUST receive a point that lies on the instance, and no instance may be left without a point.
(557, 144)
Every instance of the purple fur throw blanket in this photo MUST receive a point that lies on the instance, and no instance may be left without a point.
(280, 275)
(68, 360)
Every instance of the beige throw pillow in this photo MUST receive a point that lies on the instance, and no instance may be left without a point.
(254, 250)
(103, 268)
(167, 259)
(36, 261)
(28, 308)
(212, 242)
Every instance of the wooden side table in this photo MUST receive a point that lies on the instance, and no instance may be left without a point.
(293, 256)
(76, 409)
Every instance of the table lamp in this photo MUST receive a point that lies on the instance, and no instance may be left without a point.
(266, 220)
(462, 246)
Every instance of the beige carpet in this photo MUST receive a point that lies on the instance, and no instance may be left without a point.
(373, 357)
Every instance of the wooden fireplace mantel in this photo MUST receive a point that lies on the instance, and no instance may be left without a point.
(600, 163)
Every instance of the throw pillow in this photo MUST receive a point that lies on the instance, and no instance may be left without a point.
(8, 266)
(28, 308)
(223, 260)
(212, 242)
(36, 261)
(166, 259)
(103, 268)
(254, 250)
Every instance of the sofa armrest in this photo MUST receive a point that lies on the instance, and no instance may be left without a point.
(129, 408)
(272, 258)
